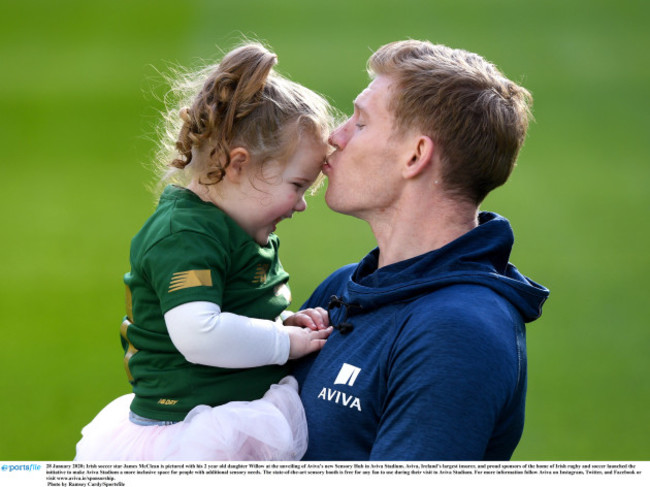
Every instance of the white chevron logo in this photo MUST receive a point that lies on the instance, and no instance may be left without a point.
(347, 375)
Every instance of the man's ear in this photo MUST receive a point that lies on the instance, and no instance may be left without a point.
(421, 157)
(239, 160)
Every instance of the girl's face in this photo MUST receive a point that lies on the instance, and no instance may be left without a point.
(280, 189)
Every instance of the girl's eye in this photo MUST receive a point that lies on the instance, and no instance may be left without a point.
(359, 125)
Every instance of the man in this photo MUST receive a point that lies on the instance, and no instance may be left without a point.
(428, 361)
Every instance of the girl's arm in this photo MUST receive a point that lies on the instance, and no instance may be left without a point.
(206, 336)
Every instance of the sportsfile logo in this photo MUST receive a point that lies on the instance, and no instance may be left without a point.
(347, 376)
(34, 467)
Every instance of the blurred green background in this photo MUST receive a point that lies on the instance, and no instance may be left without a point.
(80, 92)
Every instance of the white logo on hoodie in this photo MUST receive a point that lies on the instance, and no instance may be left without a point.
(346, 376)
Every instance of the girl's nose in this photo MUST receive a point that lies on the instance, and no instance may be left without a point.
(301, 204)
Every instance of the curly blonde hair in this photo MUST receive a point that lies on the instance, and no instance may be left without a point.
(239, 102)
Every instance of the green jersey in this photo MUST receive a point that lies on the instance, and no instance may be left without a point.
(190, 250)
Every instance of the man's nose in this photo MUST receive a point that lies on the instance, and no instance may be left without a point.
(338, 138)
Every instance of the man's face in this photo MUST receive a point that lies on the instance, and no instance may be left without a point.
(363, 171)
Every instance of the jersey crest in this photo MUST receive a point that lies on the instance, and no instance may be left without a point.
(261, 274)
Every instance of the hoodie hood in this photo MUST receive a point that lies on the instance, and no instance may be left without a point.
(481, 257)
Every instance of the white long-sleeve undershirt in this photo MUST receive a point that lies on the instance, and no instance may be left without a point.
(206, 336)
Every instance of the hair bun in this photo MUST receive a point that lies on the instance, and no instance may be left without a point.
(242, 75)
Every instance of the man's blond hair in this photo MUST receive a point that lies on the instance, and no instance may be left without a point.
(476, 115)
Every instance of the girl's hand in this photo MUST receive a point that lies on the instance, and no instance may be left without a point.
(313, 318)
(303, 341)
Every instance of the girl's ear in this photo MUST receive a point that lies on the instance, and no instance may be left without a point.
(239, 160)
(420, 158)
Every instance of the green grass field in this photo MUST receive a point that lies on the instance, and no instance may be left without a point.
(79, 97)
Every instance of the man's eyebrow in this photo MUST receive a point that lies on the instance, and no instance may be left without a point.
(358, 107)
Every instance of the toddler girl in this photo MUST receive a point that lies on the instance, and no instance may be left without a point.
(205, 348)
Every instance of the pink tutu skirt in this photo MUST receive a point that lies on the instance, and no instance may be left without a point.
(272, 428)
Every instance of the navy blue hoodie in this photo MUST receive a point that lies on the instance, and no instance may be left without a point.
(434, 367)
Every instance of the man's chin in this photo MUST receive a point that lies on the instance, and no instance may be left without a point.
(335, 204)
(331, 201)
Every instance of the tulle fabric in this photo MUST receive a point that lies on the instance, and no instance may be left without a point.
(272, 428)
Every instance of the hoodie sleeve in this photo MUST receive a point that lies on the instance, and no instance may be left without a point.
(452, 371)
